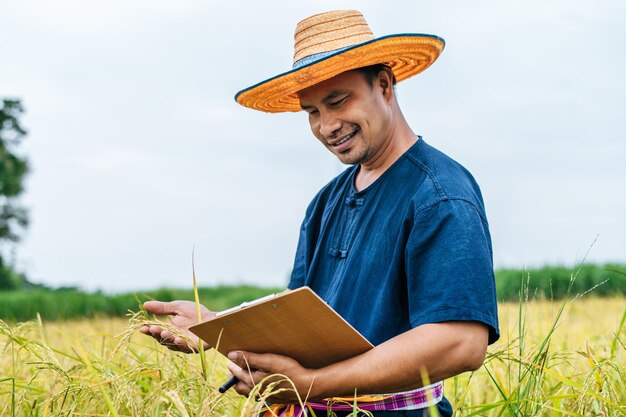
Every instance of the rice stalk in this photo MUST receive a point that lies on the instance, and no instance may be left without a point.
(199, 315)
(68, 368)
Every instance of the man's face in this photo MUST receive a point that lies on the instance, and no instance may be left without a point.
(349, 116)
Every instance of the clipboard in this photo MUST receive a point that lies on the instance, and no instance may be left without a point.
(298, 324)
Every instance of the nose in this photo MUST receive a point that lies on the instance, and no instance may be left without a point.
(329, 124)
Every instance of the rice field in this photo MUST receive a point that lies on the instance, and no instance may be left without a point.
(553, 359)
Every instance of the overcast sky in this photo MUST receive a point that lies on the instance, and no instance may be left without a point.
(139, 152)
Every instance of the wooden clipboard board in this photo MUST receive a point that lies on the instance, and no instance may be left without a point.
(298, 324)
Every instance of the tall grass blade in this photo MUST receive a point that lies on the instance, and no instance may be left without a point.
(199, 314)
(12, 394)
(617, 334)
(507, 401)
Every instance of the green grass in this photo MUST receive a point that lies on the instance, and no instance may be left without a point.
(549, 282)
(554, 282)
(16, 306)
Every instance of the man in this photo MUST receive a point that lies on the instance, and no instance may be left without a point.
(398, 243)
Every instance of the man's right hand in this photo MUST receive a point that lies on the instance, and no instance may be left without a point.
(184, 315)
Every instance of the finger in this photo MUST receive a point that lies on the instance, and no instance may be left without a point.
(155, 330)
(242, 388)
(242, 374)
(160, 334)
(243, 359)
(183, 346)
(167, 335)
(168, 339)
(161, 308)
(175, 343)
(264, 361)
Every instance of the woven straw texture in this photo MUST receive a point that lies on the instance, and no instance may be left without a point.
(330, 31)
(406, 54)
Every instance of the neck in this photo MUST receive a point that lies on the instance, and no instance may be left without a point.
(401, 138)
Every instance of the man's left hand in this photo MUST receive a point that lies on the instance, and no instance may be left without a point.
(252, 368)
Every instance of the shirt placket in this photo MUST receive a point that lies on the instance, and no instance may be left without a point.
(340, 251)
(352, 215)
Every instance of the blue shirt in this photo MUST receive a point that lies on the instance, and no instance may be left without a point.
(412, 248)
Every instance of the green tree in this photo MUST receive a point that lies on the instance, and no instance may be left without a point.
(13, 169)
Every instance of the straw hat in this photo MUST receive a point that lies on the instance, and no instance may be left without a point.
(328, 44)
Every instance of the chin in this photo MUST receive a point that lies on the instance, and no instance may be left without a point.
(353, 157)
(350, 161)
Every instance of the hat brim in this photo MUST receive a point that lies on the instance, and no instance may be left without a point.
(406, 54)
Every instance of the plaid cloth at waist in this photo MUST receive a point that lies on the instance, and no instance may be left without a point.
(409, 400)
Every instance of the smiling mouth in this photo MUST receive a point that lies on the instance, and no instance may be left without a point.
(345, 138)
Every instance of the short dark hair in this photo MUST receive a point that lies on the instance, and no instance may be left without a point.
(371, 72)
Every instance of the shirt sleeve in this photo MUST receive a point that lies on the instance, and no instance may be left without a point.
(449, 266)
(298, 273)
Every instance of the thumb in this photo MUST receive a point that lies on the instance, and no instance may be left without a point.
(161, 308)
(252, 360)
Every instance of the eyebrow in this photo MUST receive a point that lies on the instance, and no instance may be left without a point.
(330, 96)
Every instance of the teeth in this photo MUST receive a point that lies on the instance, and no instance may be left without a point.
(347, 138)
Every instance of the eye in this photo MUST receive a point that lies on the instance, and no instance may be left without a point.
(339, 102)
(313, 112)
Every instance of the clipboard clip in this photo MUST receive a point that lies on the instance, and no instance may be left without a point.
(244, 305)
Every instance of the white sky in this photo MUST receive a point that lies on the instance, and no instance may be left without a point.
(139, 152)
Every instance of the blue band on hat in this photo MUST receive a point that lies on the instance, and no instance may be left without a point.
(313, 59)
(316, 57)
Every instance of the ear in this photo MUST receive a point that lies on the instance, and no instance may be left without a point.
(385, 82)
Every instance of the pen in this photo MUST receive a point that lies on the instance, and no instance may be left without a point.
(228, 384)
